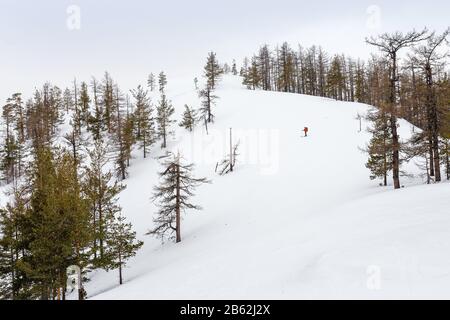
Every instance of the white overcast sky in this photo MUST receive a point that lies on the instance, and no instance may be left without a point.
(133, 38)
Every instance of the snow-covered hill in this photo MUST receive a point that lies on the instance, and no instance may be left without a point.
(299, 218)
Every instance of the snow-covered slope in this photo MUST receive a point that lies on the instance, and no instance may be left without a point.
(299, 218)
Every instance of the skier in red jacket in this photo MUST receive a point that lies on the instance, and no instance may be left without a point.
(306, 131)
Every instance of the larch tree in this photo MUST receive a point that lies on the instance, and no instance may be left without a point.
(428, 60)
(208, 100)
(173, 196)
(390, 45)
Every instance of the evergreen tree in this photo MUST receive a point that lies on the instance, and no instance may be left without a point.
(335, 82)
(59, 226)
(145, 124)
(196, 83)
(380, 145)
(234, 68)
(14, 283)
(162, 80)
(164, 112)
(122, 149)
(189, 118)
(151, 82)
(101, 193)
(122, 244)
(12, 149)
(212, 70)
(208, 100)
(107, 101)
(173, 195)
(85, 100)
(128, 137)
(68, 100)
(8, 259)
(96, 119)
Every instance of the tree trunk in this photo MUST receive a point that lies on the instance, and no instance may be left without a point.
(393, 123)
(120, 269)
(178, 217)
(431, 101)
(231, 151)
(395, 153)
(430, 154)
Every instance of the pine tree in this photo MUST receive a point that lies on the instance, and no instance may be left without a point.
(196, 83)
(151, 82)
(122, 244)
(102, 194)
(208, 100)
(380, 145)
(162, 80)
(59, 225)
(122, 156)
(164, 112)
(107, 101)
(10, 161)
(189, 118)
(8, 259)
(14, 283)
(128, 136)
(96, 119)
(335, 82)
(145, 124)
(212, 70)
(234, 68)
(173, 195)
(68, 100)
(85, 100)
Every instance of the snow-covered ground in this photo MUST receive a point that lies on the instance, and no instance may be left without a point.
(299, 218)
